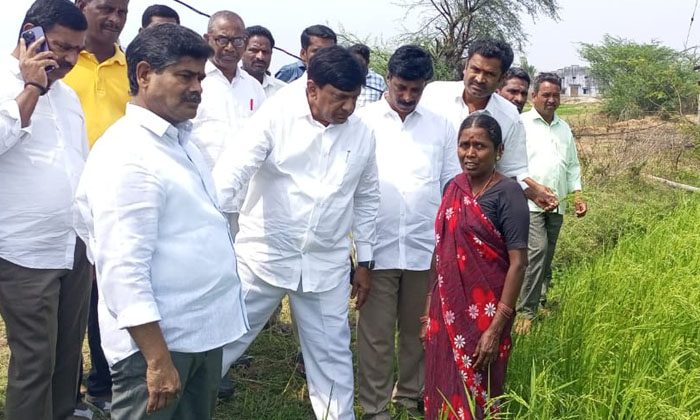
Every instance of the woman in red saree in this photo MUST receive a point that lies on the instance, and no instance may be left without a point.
(479, 263)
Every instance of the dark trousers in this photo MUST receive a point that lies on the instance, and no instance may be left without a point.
(45, 312)
(200, 374)
(99, 382)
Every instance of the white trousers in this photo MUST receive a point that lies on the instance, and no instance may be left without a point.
(324, 334)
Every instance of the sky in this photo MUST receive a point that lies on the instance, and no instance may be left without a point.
(551, 45)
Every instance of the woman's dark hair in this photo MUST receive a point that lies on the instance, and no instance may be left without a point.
(49, 13)
(335, 65)
(319, 31)
(482, 119)
(162, 46)
(492, 48)
(546, 77)
(159, 10)
(411, 62)
(258, 30)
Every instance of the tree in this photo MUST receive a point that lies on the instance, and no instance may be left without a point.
(448, 26)
(529, 68)
(641, 78)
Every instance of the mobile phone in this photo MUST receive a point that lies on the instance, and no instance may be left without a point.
(31, 35)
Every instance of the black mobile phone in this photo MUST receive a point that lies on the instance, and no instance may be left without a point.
(31, 35)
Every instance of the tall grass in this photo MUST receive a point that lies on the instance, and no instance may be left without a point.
(625, 341)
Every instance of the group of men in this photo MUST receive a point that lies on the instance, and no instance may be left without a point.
(129, 176)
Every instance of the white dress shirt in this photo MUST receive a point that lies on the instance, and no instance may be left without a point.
(223, 111)
(40, 166)
(445, 98)
(147, 205)
(416, 158)
(309, 186)
(552, 156)
(271, 85)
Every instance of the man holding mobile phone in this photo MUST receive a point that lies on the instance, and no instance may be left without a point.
(44, 271)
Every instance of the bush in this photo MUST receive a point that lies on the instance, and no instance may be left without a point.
(640, 78)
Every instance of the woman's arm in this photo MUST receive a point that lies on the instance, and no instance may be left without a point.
(432, 276)
(487, 348)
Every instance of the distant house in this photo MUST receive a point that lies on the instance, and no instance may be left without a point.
(577, 81)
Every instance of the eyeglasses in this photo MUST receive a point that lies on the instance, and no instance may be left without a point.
(223, 41)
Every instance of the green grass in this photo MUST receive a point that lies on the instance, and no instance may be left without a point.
(567, 110)
(625, 340)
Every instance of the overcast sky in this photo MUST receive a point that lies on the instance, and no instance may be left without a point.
(551, 45)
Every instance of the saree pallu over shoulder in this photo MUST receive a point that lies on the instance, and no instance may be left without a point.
(472, 262)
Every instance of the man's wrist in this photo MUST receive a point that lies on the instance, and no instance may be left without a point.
(366, 264)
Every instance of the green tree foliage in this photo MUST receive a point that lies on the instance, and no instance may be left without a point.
(529, 68)
(637, 79)
(449, 26)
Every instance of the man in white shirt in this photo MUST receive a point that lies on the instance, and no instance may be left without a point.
(44, 272)
(257, 57)
(311, 173)
(416, 158)
(553, 162)
(165, 260)
(487, 62)
(230, 96)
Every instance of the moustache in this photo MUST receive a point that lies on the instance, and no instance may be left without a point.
(194, 97)
(407, 104)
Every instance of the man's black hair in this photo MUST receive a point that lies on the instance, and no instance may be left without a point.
(360, 49)
(49, 13)
(258, 30)
(336, 66)
(411, 62)
(546, 77)
(516, 73)
(492, 48)
(162, 46)
(319, 31)
(482, 119)
(159, 10)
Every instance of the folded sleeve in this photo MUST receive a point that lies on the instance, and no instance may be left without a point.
(11, 131)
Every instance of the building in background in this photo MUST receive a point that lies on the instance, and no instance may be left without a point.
(577, 81)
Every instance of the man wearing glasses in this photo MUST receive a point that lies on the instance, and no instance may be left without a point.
(230, 95)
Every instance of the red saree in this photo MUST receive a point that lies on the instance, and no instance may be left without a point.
(472, 262)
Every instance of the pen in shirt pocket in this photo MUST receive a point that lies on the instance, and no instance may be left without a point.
(251, 104)
(347, 157)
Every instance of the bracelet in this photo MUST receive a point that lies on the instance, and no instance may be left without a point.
(424, 319)
(42, 89)
(505, 310)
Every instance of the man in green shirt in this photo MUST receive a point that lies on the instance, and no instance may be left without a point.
(553, 162)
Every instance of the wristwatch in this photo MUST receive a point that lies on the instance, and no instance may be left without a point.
(366, 264)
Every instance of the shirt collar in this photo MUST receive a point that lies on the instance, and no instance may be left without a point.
(210, 68)
(119, 57)
(534, 115)
(388, 110)
(158, 126)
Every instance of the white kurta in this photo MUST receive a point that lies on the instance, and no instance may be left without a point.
(416, 158)
(308, 186)
(146, 206)
(445, 98)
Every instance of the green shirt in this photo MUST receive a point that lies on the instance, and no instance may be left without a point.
(552, 157)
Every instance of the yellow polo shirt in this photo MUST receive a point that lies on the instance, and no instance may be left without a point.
(103, 89)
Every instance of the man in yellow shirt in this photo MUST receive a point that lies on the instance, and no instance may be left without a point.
(101, 82)
(99, 78)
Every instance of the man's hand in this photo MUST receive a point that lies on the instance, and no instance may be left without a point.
(32, 66)
(543, 197)
(361, 282)
(163, 383)
(580, 206)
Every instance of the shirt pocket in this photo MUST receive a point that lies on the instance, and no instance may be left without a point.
(423, 162)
